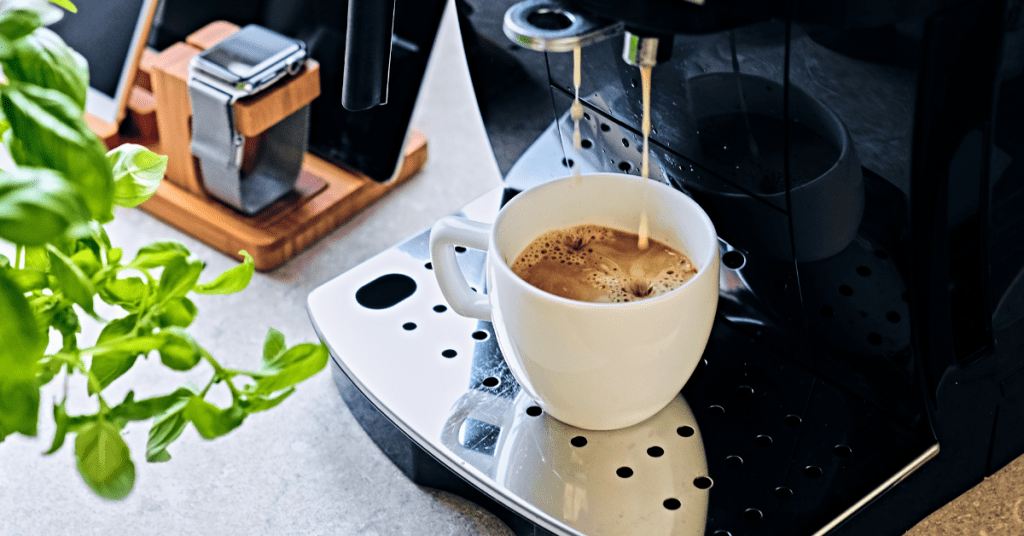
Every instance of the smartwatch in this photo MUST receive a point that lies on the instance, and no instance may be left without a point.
(240, 66)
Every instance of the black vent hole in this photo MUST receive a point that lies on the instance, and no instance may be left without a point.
(672, 504)
(782, 492)
(813, 471)
(703, 482)
(716, 411)
(752, 514)
(734, 260)
(534, 411)
(491, 381)
(733, 461)
(763, 441)
(684, 431)
(578, 441)
(655, 452)
(624, 472)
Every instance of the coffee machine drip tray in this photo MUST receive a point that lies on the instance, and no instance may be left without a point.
(755, 444)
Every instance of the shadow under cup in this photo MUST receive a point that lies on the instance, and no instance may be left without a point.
(602, 366)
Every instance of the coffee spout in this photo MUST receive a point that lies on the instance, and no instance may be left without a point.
(642, 50)
(550, 26)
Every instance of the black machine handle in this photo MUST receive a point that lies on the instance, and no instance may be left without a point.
(367, 53)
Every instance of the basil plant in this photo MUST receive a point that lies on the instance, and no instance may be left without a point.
(54, 202)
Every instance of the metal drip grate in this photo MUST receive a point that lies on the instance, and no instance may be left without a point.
(769, 447)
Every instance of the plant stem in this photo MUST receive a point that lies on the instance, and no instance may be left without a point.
(221, 372)
(249, 373)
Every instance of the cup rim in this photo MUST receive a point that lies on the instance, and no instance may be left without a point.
(708, 257)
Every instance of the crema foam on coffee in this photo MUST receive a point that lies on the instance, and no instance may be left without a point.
(595, 263)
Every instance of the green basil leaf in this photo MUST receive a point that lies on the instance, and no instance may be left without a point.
(117, 328)
(60, 417)
(179, 312)
(66, 4)
(17, 23)
(211, 421)
(4, 262)
(87, 261)
(231, 280)
(273, 345)
(109, 366)
(166, 428)
(137, 173)
(20, 409)
(179, 277)
(104, 460)
(28, 279)
(66, 321)
(140, 410)
(114, 255)
(262, 403)
(127, 293)
(36, 257)
(163, 433)
(178, 350)
(44, 60)
(292, 366)
(53, 134)
(73, 282)
(37, 206)
(21, 347)
(48, 13)
(158, 254)
(112, 363)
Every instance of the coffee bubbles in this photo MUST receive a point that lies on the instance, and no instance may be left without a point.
(595, 263)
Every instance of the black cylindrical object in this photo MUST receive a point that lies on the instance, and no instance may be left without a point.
(367, 54)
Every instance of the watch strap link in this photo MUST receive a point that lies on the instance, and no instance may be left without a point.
(218, 146)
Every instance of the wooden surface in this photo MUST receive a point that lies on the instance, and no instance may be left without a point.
(211, 34)
(326, 196)
(255, 115)
(174, 115)
(160, 118)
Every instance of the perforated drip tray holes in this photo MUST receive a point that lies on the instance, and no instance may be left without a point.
(769, 448)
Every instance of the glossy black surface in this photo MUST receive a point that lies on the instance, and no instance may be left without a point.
(919, 318)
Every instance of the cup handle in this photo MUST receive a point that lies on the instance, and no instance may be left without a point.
(447, 233)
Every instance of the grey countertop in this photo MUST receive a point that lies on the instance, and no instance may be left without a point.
(306, 467)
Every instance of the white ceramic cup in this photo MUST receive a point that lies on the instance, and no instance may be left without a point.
(598, 366)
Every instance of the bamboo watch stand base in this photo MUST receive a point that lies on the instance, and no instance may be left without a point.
(325, 195)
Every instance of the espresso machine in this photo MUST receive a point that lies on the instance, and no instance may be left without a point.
(863, 164)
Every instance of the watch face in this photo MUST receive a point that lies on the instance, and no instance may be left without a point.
(249, 52)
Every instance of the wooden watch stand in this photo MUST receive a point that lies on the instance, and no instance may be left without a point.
(325, 195)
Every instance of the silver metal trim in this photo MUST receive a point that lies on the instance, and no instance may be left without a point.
(583, 29)
(885, 486)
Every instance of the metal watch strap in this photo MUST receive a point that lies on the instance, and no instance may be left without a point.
(218, 146)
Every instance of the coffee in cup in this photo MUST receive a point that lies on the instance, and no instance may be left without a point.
(596, 263)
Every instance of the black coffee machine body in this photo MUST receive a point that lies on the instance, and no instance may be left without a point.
(863, 166)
